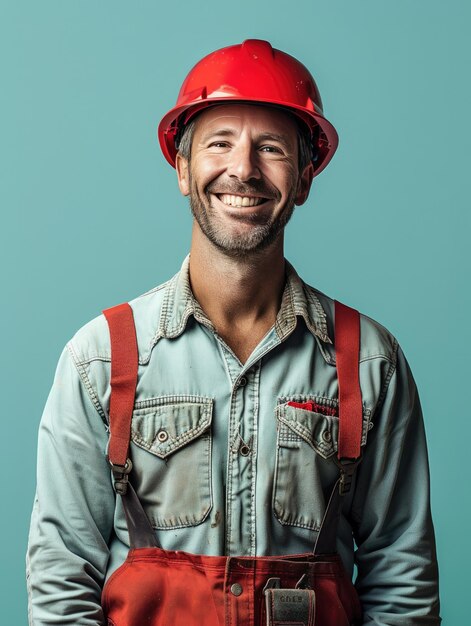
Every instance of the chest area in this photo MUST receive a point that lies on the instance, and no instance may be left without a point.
(227, 446)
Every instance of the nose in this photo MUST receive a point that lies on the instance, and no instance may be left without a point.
(243, 162)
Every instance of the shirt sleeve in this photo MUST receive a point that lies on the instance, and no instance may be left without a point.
(73, 511)
(396, 561)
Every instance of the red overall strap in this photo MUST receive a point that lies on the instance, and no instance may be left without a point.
(124, 364)
(347, 349)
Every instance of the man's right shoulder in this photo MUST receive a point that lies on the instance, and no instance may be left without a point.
(92, 341)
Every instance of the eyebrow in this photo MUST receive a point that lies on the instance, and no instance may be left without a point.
(219, 132)
(274, 137)
(227, 132)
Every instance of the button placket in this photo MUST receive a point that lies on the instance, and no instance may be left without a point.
(239, 594)
(240, 514)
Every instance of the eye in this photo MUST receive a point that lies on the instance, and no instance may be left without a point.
(218, 144)
(270, 149)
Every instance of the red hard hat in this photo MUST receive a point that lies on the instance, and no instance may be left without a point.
(251, 72)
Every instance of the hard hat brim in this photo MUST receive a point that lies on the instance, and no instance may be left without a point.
(181, 115)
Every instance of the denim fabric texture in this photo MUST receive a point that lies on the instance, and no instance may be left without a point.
(223, 465)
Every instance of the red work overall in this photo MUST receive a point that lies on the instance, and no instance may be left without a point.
(156, 587)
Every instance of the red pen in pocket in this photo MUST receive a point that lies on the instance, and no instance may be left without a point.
(316, 408)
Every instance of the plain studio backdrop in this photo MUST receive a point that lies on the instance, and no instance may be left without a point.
(91, 215)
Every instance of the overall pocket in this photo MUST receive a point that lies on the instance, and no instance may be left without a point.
(171, 454)
(305, 472)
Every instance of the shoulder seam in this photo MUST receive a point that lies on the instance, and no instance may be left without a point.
(381, 355)
(87, 384)
(387, 380)
(95, 357)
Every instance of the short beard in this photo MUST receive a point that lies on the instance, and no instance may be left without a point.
(262, 235)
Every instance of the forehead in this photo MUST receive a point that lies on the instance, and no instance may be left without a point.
(256, 118)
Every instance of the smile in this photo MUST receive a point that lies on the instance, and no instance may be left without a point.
(240, 201)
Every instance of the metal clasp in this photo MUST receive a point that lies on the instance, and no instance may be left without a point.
(121, 476)
(347, 469)
(272, 583)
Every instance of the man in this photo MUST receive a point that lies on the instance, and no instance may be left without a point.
(235, 421)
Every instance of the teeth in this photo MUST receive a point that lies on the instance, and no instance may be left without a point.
(239, 201)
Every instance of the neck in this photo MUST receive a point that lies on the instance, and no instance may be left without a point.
(237, 291)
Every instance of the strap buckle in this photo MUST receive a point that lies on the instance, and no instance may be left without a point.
(121, 476)
(347, 470)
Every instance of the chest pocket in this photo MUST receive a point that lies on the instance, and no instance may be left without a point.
(171, 454)
(305, 472)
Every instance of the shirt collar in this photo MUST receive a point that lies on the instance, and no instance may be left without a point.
(298, 300)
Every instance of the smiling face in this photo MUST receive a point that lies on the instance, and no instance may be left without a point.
(243, 178)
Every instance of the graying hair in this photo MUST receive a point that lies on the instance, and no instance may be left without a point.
(183, 145)
(305, 145)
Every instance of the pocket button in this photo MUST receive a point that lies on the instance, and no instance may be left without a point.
(162, 436)
(327, 436)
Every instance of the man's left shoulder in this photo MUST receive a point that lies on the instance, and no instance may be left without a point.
(376, 341)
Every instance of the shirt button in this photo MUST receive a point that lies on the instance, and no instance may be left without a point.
(327, 436)
(244, 450)
(236, 589)
(242, 382)
(162, 436)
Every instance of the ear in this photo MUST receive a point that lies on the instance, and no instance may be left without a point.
(304, 185)
(183, 174)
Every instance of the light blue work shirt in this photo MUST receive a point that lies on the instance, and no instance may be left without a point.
(222, 463)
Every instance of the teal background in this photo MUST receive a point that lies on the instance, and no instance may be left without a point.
(91, 214)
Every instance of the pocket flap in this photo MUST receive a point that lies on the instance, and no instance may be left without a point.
(165, 428)
(319, 430)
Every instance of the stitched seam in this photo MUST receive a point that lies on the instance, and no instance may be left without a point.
(322, 349)
(326, 450)
(107, 358)
(285, 321)
(309, 398)
(183, 322)
(157, 335)
(88, 386)
(159, 401)
(192, 307)
(30, 590)
(152, 344)
(389, 375)
(178, 443)
(160, 523)
(280, 511)
(254, 446)
(356, 516)
(164, 321)
(96, 357)
(324, 400)
(380, 356)
(320, 327)
(230, 469)
(198, 313)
